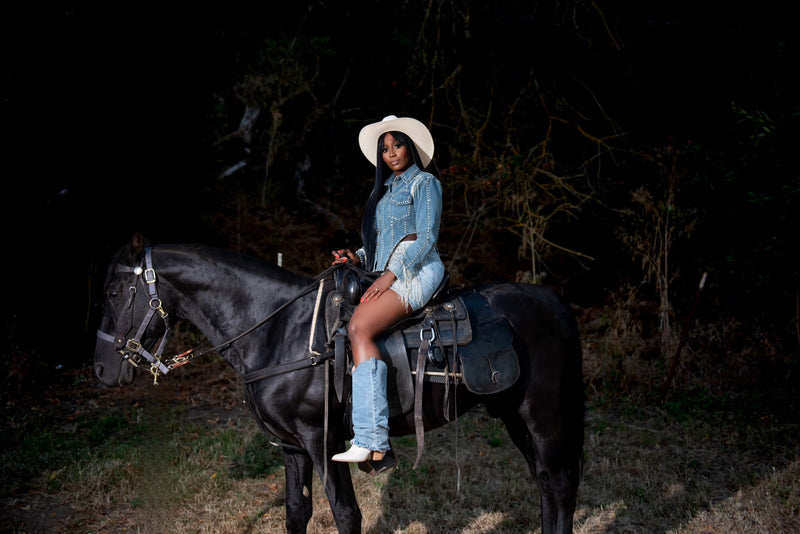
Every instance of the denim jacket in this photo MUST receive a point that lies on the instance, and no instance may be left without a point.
(411, 205)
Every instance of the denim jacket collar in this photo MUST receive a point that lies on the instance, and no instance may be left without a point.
(406, 177)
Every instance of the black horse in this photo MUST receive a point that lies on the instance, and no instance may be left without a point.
(224, 294)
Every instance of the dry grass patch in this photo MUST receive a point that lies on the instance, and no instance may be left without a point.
(186, 457)
(770, 506)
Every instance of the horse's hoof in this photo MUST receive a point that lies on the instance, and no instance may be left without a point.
(355, 454)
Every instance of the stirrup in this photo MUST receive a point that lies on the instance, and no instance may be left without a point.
(379, 465)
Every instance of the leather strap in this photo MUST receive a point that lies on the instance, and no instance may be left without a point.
(288, 367)
(446, 368)
(325, 423)
(340, 364)
(455, 369)
(422, 359)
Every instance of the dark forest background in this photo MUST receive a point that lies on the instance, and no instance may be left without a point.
(615, 151)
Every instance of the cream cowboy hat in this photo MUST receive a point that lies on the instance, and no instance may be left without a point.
(368, 137)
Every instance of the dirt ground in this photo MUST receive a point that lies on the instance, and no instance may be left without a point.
(646, 471)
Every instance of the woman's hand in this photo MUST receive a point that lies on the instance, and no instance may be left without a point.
(344, 255)
(379, 286)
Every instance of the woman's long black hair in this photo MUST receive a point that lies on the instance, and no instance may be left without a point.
(382, 172)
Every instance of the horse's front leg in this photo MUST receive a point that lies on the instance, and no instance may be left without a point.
(299, 468)
(342, 497)
(299, 471)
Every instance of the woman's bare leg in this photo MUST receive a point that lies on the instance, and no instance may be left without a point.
(370, 319)
(370, 414)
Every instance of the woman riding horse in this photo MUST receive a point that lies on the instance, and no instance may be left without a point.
(399, 232)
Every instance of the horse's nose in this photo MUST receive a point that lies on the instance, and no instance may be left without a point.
(98, 370)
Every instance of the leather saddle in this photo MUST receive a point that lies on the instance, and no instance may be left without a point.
(456, 338)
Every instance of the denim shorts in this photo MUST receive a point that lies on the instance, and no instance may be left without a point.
(417, 290)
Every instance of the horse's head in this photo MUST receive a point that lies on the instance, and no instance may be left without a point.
(133, 318)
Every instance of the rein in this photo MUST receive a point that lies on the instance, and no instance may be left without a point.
(134, 353)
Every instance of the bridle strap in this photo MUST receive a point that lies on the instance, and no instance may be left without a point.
(149, 276)
(106, 337)
(132, 350)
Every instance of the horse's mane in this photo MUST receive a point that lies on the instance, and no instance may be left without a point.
(244, 262)
(131, 254)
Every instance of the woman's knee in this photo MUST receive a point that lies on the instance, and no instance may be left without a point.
(368, 322)
(359, 331)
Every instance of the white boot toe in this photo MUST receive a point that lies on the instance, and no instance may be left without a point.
(354, 454)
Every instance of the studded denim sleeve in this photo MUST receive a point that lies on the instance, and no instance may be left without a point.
(427, 194)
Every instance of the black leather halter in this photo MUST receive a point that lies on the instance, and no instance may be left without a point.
(131, 348)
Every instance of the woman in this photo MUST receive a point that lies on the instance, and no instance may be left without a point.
(399, 232)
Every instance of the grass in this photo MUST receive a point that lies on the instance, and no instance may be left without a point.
(186, 457)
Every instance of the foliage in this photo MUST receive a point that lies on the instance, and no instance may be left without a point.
(588, 146)
(746, 189)
(658, 217)
(516, 152)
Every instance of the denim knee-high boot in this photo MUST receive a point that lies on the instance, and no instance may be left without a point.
(370, 412)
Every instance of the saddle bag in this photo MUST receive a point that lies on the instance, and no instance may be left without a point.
(474, 343)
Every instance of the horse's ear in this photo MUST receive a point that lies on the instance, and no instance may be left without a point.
(137, 246)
